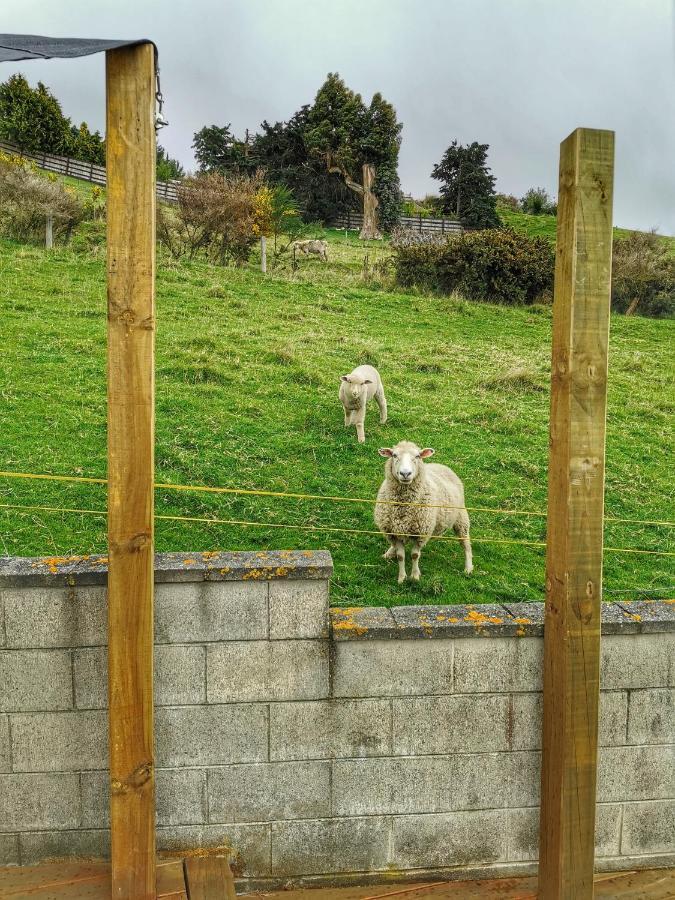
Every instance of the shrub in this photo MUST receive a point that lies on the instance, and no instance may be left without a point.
(643, 276)
(507, 201)
(216, 215)
(89, 236)
(495, 265)
(537, 202)
(28, 196)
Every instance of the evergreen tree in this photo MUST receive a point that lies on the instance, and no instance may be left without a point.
(32, 118)
(87, 146)
(218, 150)
(168, 169)
(467, 187)
(353, 140)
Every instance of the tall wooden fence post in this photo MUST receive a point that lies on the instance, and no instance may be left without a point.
(49, 232)
(575, 516)
(130, 152)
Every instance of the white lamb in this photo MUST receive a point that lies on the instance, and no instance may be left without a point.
(356, 389)
(409, 480)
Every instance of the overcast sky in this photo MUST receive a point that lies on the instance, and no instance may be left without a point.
(518, 75)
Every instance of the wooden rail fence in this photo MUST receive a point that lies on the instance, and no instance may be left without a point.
(353, 221)
(75, 168)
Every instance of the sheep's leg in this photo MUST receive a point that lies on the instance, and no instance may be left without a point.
(418, 543)
(461, 528)
(358, 417)
(348, 418)
(381, 401)
(400, 556)
(390, 552)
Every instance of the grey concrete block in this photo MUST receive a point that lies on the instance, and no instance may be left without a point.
(527, 720)
(426, 784)
(648, 827)
(484, 620)
(55, 616)
(362, 623)
(328, 846)
(298, 609)
(266, 670)
(48, 845)
(211, 735)
(455, 839)
(636, 773)
(390, 668)
(637, 661)
(35, 680)
(9, 849)
(651, 716)
(469, 722)
(3, 634)
(179, 676)
(268, 791)
(247, 845)
(90, 677)
(5, 751)
(329, 729)
(211, 611)
(652, 615)
(523, 832)
(180, 798)
(498, 665)
(59, 741)
(39, 801)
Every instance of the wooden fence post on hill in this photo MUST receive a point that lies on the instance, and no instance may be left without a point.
(130, 146)
(575, 516)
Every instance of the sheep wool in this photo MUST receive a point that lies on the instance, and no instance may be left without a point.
(440, 495)
(356, 389)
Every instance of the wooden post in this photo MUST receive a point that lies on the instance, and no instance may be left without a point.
(263, 254)
(49, 232)
(575, 516)
(130, 152)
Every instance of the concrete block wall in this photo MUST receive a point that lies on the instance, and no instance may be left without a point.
(383, 740)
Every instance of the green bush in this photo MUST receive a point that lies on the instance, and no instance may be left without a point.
(643, 276)
(89, 237)
(494, 265)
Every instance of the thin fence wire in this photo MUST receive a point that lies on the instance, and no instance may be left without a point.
(331, 528)
(319, 497)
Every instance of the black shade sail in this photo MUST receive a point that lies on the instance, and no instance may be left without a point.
(14, 47)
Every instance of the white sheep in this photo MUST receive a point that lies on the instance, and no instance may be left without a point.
(356, 389)
(409, 480)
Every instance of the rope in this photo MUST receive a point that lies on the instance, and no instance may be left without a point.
(246, 524)
(321, 497)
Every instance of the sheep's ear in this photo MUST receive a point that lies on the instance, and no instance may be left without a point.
(428, 451)
(344, 378)
(385, 451)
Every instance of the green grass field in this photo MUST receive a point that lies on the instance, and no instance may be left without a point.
(247, 382)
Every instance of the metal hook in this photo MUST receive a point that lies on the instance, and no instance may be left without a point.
(160, 121)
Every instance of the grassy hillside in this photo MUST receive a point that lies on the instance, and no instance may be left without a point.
(545, 226)
(247, 382)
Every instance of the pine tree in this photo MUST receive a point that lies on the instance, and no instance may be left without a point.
(467, 187)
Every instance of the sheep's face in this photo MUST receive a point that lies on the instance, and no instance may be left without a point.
(354, 385)
(405, 460)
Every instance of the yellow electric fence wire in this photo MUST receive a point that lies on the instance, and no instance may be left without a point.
(320, 497)
(216, 521)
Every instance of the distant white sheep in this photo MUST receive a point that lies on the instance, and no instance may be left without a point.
(320, 248)
(356, 389)
(408, 479)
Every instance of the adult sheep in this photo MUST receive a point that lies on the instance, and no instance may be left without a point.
(437, 498)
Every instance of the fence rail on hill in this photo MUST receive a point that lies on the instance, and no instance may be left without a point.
(353, 221)
(75, 168)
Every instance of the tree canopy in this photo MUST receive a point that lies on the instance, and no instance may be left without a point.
(467, 186)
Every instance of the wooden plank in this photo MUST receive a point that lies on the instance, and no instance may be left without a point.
(130, 151)
(575, 515)
(650, 884)
(171, 880)
(209, 878)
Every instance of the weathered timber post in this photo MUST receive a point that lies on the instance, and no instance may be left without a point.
(49, 232)
(575, 516)
(263, 254)
(130, 152)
